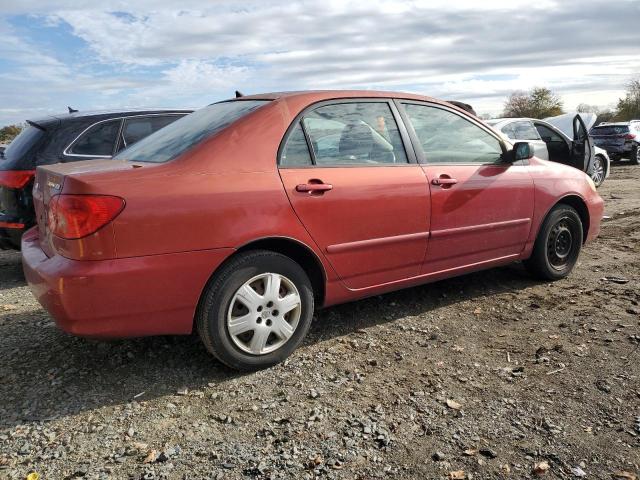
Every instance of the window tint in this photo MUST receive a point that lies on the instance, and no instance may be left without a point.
(448, 138)
(610, 130)
(98, 140)
(525, 131)
(296, 150)
(23, 148)
(173, 140)
(547, 134)
(135, 129)
(354, 133)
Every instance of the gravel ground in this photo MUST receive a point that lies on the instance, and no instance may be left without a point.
(490, 375)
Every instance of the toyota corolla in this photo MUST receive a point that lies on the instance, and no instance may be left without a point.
(242, 218)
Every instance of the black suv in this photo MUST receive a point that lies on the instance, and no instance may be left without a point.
(64, 138)
(620, 140)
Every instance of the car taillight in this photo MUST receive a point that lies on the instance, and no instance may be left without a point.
(76, 216)
(630, 136)
(16, 178)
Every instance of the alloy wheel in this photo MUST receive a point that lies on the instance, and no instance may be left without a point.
(264, 313)
(597, 172)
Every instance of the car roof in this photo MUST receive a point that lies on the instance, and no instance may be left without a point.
(105, 113)
(319, 95)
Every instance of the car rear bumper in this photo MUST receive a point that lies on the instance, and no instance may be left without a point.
(128, 297)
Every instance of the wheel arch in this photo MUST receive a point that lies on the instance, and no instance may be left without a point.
(580, 206)
(300, 253)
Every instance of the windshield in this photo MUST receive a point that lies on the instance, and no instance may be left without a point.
(610, 130)
(23, 146)
(171, 141)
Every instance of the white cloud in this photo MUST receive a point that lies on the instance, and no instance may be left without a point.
(158, 53)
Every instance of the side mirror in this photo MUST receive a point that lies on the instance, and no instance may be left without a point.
(522, 151)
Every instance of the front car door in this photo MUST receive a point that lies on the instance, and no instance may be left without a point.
(582, 152)
(357, 190)
(481, 207)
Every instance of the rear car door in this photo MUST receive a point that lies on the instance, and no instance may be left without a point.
(481, 207)
(358, 191)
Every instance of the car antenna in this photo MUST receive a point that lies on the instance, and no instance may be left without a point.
(239, 94)
(72, 110)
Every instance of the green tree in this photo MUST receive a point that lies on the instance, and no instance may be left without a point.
(539, 102)
(9, 132)
(629, 106)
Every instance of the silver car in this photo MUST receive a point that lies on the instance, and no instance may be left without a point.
(553, 139)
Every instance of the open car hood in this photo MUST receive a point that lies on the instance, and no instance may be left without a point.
(564, 122)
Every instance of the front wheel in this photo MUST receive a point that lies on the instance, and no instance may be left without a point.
(598, 171)
(256, 310)
(558, 244)
(635, 155)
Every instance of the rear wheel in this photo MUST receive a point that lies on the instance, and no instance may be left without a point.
(256, 310)
(598, 171)
(635, 155)
(558, 244)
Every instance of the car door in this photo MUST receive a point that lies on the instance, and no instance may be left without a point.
(582, 151)
(481, 207)
(357, 190)
(558, 146)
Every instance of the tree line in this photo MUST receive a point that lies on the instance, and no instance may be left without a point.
(541, 102)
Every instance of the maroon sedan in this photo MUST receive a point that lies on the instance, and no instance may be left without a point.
(241, 218)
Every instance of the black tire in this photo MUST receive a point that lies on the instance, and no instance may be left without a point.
(558, 244)
(635, 155)
(211, 315)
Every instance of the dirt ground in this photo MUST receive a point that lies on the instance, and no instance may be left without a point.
(490, 375)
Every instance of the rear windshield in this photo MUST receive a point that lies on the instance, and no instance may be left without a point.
(610, 130)
(21, 151)
(176, 138)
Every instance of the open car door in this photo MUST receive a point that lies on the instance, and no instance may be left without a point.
(582, 150)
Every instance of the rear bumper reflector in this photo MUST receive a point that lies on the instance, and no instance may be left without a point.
(11, 225)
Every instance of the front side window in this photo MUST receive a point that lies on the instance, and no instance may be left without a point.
(446, 137)
(524, 131)
(176, 138)
(99, 140)
(547, 134)
(354, 133)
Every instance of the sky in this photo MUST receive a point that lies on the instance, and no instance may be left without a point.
(160, 53)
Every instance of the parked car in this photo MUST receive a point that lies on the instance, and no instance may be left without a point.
(242, 218)
(552, 139)
(64, 138)
(621, 140)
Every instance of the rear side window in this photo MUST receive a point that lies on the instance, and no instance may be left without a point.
(446, 137)
(175, 139)
(296, 150)
(525, 131)
(23, 148)
(354, 133)
(135, 129)
(98, 140)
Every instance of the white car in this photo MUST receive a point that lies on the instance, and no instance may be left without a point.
(552, 139)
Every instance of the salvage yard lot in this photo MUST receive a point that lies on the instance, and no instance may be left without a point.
(490, 374)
